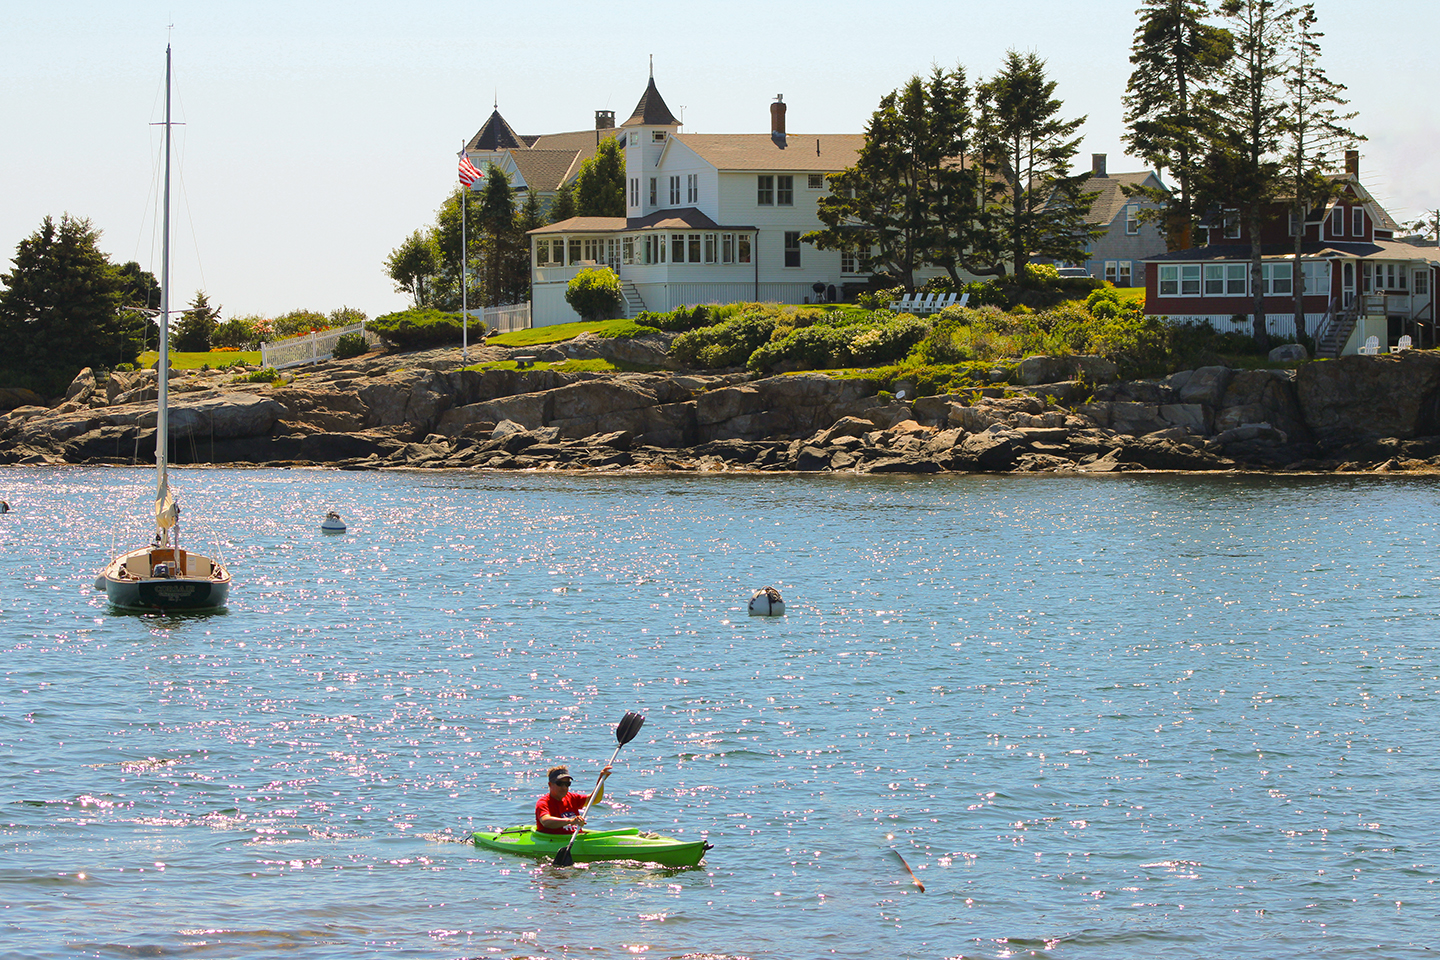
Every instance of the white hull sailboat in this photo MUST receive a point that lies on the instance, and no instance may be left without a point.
(161, 575)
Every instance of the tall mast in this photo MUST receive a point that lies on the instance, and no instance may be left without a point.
(162, 423)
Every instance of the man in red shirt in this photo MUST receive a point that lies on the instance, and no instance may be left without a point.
(560, 810)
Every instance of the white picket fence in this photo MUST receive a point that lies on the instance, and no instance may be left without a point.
(515, 316)
(310, 348)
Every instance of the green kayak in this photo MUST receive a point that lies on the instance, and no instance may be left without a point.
(628, 844)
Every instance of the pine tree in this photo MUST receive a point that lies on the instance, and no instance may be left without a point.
(1175, 56)
(1243, 170)
(1315, 135)
(600, 185)
(196, 326)
(59, 309)
(912, 197)
(563, 206)
(1038, 207)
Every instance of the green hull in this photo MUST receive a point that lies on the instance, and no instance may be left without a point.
(598, 845)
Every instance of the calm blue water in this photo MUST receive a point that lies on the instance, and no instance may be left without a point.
(1100, 717)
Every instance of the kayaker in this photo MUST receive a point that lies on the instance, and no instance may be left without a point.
(560, 810)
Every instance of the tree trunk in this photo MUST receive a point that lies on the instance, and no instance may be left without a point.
(1297, 278)
(1257, 281)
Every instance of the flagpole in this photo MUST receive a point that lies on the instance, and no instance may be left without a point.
(464, 281)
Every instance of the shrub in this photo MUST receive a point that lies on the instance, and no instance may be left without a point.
(298, 322)
(879, 299)
(423, 327)
(350, 345)
(594, 293)
(235, 333)
(679, 319)
(263, 375)
(728, 344)
(886, 341)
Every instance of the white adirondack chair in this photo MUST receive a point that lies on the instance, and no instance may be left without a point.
(1404, 344)
(1371, 348)
(964, 299)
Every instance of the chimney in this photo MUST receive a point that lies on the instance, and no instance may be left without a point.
(1352, 162)
(777, 120)
(604, 119)
(1097, 165)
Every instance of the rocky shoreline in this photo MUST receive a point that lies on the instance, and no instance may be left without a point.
(421, 410)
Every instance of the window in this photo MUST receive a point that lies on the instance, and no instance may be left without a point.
(1337, 222)
(677, 248)
(674, 191)
(727, 248)
(1124, 280)
(765, 190)
(1277, 278)
(692, 188)
(1169, 284)
(542, 252)
(1190, 280)
(1422, 282)
(792, 248)
(694, 248)
(1296, 223)
(1132, 219)
(574, 251)
(709, 248)
(1231, 227)
(654, 193)
(785, 191)
(1110, 271)
(1225, 279)
(593, 248)
(657, 136)
(627, 250)
(848, 262)
(743, 248)
(817, 181)
(1316, 276)
(634, 191)
(1357, 221)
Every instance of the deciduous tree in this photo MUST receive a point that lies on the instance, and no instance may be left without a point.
(600, 185)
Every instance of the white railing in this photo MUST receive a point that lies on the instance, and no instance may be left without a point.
(515, 316)
(310, 348)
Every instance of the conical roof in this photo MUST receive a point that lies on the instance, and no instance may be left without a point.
(651, 110)
(495, 135)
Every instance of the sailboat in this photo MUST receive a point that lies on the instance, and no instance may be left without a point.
(161, 575)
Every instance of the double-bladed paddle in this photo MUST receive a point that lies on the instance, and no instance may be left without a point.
(625, 731)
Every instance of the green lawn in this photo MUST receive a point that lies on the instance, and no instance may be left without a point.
(194, 361)
(565, 331)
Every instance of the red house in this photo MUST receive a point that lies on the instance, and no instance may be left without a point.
(1360, 281)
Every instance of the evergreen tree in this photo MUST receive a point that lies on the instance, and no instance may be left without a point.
(532, 216)
(1038, 207)
(1315, 135)
(59, 308)
(1243, 174)
(1175, 54)
(912, 197)
(505, 252)
(196, 326)
(563, 206)
(600, 185)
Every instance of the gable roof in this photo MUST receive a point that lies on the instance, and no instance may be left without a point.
(651, 110)
(1112, 199)
(808, 152)
(545, 170)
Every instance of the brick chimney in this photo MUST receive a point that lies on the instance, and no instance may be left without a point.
(777, 120)
(1097, 165)
(1352, 162)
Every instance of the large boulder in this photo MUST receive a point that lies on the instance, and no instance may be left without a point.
(1355, 398)
(416, 397)
(1204, 385)
(12, 398)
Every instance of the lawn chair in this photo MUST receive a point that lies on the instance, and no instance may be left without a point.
(964, 299)
(1371, 348)
(1404, 344)
(902, 305)
(924, 305)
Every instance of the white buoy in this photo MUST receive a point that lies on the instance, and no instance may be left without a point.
(767, 603)
(332, 523)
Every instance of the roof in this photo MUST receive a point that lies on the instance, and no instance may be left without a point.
(1325, 249)
(495, 135)
(545, 170)
(1112, 198)
(651, 110)
(808, 152)
(684, 218)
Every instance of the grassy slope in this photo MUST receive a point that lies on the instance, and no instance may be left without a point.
(194, 361)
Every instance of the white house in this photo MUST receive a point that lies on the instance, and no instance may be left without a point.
(709, 218)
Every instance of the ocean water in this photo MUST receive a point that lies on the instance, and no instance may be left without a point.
(1098, 717)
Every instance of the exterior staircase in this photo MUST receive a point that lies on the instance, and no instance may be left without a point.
(634, 305)
(1330, 339)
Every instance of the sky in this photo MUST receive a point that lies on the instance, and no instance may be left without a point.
(318, 136)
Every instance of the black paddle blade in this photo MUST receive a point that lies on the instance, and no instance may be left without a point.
(629, 725)
(565, 858)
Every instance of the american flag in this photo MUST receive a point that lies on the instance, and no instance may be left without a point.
(469, 173)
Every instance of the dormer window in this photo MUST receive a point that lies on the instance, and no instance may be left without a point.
(657, 136)
(1337, 222)
(1357, 221)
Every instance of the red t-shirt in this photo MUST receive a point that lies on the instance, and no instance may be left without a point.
(567, 805)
